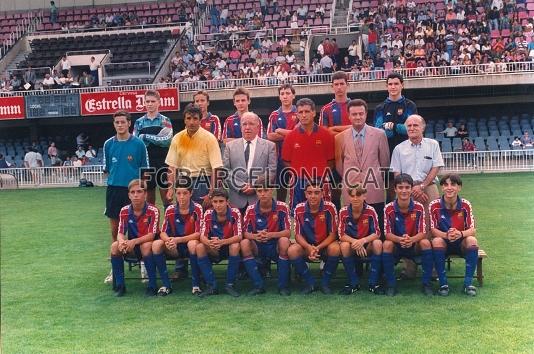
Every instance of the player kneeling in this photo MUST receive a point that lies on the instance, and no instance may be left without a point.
(453, 227)
(219, 239)
(404, 224)
(139, 221)
(359, 235)
(267, 230)
(315, 233)
(179, 238)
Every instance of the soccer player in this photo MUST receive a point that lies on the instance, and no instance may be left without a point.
(309, 151)
(315, 233)
(266, 230)
(452, 225)
(220, 236)
(404, 224)
(232, 124)
(359, 234)
(209, 121)
(179, 237)
(281, 122)
(124, 156)
(155, 130)
(138, 224)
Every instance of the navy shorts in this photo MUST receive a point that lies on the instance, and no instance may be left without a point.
(223, 254)
(454, 247)
(401, 252)
(159, 179)
(267, 251)
(116, 199)
(135, 256)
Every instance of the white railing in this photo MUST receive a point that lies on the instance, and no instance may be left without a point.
(109, 29)
(313, 79)
(208, 38)
(66, 176)
(24, 25)
(309, 30)
(489, 161)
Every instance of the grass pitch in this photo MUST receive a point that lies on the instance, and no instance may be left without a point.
(54, 257)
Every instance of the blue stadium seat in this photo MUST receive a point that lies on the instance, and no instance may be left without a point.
(457, 144)
(480, 144)
(429, 134)
(446, 145)
(483, 133)
(505, 132)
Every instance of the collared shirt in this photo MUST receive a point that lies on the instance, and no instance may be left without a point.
(196, 153)
(416, 160)
(176, 224)
(461, 217)
(123, 159)
(138, 226)
(335, 114)
(398, 223)
(315, 227)
(360, 134)
(211, 227)
(277, 219)
(252, 150)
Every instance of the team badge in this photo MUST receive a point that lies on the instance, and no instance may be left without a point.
(321, 217)
(130, 158)
(192, 218)
(145, 220)
(296, 146)
(207, 125)
(365, 221)
(275, 217)
(178, 221)
(461, 214)
(215, 226)
(413, 216)
(400, 111)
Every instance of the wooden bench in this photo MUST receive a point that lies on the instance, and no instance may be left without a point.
(480, 274)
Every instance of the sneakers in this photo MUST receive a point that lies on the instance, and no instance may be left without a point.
(164, 291)
(470, 290)
(443, 290)
(376, 289)
(151, 291)
(308, 289)
(391, 291)
(196, 291)
(179, 274)
(427, 290)
(325, 289)
(144, 275)
(120, 290)
(256, 291)
(207, 292)
(230, 290)
(109, 278)
(284, 291)
(349, 290)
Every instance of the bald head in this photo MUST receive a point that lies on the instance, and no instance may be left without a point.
(250, 125)
(415, 126)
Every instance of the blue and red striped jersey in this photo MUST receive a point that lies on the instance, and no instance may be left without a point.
(365, 225)
(138, 226)
(282, 120)
(335, 114)
(231, 226)
(232, 127)
(315, 227)
(410, 223)
(461, 217)
(212, 124)
(274, 221)
(179, 225)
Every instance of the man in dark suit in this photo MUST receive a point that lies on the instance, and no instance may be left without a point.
(249, 159)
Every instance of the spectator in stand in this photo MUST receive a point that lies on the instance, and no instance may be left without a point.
(320, 11)
(372, 41)
(29, 78)
(93, 68)
(90, 154)
(526, 140)
(76, 162)
(467, 145)
(6, 84)
(33, 160)
(493, 19)
(53, 12)
(450, 131)
(86, 80)
(80, 153)
(3, 162)
(327, 65)
(516, 144)
(15, 83)
(65, 65)
(52, 152)
(462, 132)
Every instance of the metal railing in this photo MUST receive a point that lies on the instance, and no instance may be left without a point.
(316, 79)
(66, 176)
(233, 36)
(307, 29)
(40, 70)
(489, 161)
(109, 29)
(25, 25)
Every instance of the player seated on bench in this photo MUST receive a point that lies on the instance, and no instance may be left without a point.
(139, 221)
(452, 225)
(315, 233)
(219, 239)
(404, 224)
(359, 236)
(266, 235)
(179, 237)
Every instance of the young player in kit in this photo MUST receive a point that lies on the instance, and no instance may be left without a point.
(404, 224)
(179, 237)
(359, 234)
(315, 233)
(452, 225)
(232, 124)
(138, 224)
(266, 235)
(208, 121)
(220, 236)
(281, 122)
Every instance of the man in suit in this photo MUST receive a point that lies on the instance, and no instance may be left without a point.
(362, 157)
(248, 160)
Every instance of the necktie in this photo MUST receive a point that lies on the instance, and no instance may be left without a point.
(247, 153)
(358, 147)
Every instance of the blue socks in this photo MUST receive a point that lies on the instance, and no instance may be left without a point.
(471, 260)
(427, 260)
(204, 264)
(161, 266)
(150, 270)
(350, 268)
(195, 270)
(283, 273)
(389, 269)
(302, 269)
(329, 269)
(253, 272)
(233, 267)
(374, 273)
(117, 266)
(439, 263)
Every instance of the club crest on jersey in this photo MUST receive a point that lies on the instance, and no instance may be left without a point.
(400, 111)
(365, 221)
(275, 217)
(321, 217)
(130, 158)
(413, 216)
(461, 214)
(207, 125)
(191, 218)
(215, 226)
(178, 221)
(297, 146)
(131, 221)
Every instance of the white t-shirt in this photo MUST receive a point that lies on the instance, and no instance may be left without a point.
(65, 65)
(33, 158)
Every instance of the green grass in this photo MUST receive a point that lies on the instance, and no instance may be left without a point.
(54, 256)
